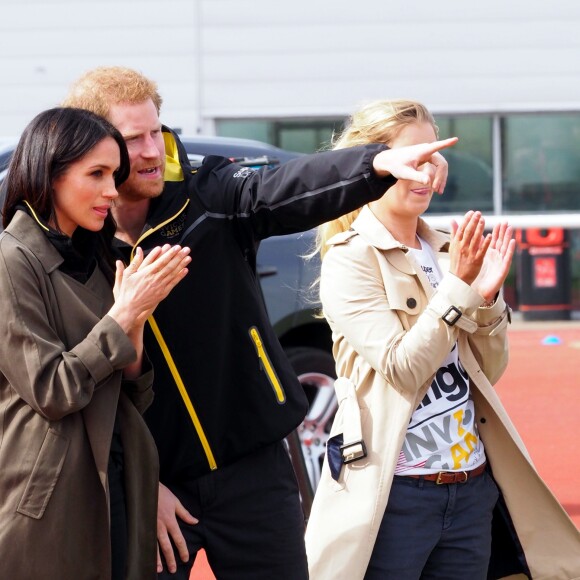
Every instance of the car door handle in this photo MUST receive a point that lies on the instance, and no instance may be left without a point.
(265, 271)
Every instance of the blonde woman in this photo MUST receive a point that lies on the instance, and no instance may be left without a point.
(425, 474)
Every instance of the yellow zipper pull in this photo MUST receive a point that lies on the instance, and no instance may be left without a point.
(267, 365)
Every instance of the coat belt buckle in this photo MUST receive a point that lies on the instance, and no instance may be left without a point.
(353, 451)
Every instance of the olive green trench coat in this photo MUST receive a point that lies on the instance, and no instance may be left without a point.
(61, 361)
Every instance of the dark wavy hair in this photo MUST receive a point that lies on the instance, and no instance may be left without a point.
(50, 144)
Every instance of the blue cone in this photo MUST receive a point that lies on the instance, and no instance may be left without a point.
(551, 339)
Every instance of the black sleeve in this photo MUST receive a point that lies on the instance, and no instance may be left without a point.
(295, 196)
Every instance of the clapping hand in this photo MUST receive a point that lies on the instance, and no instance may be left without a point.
(496, 263)
(468, 246)
(140, 286)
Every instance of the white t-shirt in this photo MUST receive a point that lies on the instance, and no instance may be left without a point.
(442, 434)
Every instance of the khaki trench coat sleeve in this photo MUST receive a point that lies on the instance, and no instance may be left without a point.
(365, 303)
(489, 343)
(54, 381)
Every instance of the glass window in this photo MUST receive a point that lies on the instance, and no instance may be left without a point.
(470, 181)
(301, 136)
(541, 162)
(258, 129)
(306, 137)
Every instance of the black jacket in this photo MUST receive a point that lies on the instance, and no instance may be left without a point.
(223, 386)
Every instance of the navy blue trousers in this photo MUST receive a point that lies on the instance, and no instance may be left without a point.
(251, 523)
(435, 532)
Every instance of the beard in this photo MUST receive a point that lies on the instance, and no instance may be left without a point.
(137, 189)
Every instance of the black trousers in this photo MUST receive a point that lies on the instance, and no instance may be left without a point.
(251, 523)
(435, 532)
(119, 532)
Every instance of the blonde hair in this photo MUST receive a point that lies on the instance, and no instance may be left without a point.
(98, 89)
(377, 122)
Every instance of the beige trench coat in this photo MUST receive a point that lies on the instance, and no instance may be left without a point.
(60, 386)
(388, 339)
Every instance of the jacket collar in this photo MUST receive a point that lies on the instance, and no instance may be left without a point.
(376, 234)
(173, 198)
(28, 231)
(173, 155)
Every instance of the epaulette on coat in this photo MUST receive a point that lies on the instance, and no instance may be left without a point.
(342, 238)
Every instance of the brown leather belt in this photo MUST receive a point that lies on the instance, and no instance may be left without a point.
(446, 477)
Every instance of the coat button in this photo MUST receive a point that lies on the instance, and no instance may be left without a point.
(411, 302)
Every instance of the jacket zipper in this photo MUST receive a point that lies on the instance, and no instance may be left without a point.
(157, 227)
(267, 365)
(173, 367)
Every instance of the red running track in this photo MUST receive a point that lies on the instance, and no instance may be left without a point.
(541, 391)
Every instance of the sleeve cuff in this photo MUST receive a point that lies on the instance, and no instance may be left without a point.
(144, 380)
(106, 349)
(383, 183)
(494, 319)
(454, 302)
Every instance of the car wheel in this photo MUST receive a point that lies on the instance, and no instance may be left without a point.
(316, 372)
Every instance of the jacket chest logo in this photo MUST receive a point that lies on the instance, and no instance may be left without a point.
(173, 228)
(243, 172)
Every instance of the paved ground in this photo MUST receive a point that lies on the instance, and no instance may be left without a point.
(541, 391)
(201, 570)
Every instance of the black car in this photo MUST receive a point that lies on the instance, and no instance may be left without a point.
(288, 285)
(6, 148)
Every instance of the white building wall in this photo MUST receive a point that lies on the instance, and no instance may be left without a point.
(324, 57)
(257, 58)
(46, 44)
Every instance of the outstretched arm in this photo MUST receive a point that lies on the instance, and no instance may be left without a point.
(313, 189)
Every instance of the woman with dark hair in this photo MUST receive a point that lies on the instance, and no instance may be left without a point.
(78, 467)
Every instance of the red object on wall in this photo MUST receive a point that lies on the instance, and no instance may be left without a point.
(545, 274)
(545, 237)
